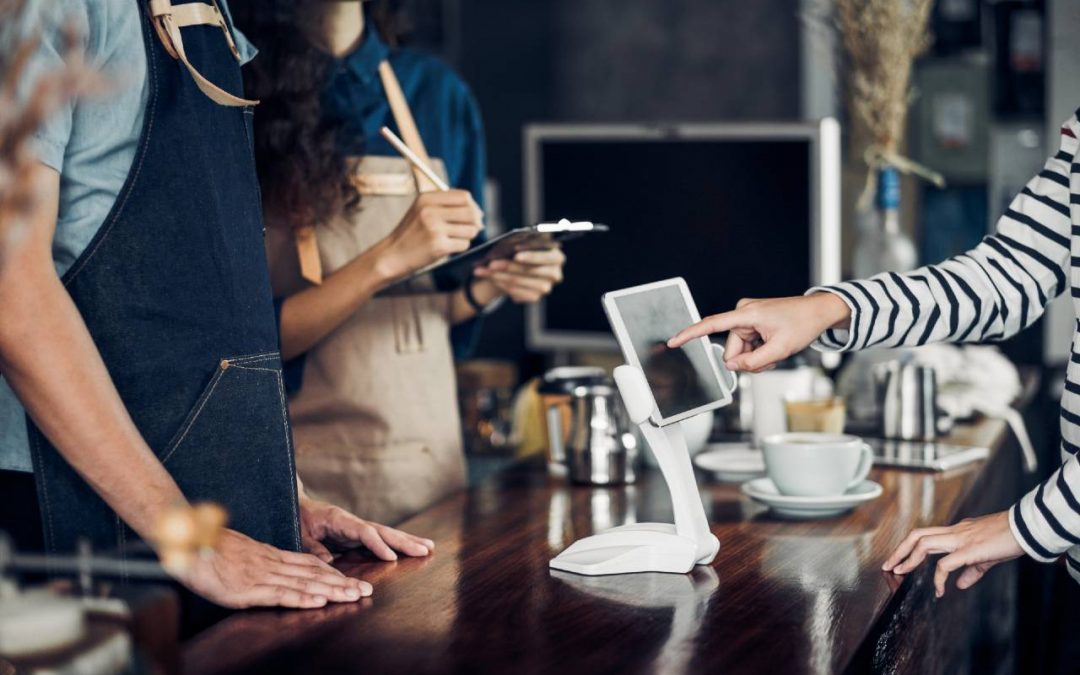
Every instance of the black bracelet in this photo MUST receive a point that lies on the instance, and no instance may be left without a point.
(470, 298)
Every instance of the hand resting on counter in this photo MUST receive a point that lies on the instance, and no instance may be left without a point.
(973, 545)
(322, 524)
(245, 573)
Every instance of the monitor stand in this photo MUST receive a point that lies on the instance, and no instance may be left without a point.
(650, 547)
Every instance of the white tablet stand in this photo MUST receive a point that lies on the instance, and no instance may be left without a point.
(650, 547)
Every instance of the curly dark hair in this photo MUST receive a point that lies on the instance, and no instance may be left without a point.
(302, 171)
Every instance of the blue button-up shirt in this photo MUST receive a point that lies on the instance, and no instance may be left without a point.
(445, 111)
(443, 107)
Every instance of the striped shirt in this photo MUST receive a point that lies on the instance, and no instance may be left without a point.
(991, 293)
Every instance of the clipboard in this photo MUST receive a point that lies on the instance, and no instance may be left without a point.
(457, 269)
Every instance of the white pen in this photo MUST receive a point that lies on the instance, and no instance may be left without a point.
(408, 154)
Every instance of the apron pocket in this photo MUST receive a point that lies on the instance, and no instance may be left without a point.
(234, 448)
(384, 483)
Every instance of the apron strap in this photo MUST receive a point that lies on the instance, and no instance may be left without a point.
(375, 184)
(307, 247)
(405, 124)
(168, 19)
(307, 252)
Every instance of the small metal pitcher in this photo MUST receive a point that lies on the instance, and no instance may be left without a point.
(600, 448)
(556, 389)
(907, 393)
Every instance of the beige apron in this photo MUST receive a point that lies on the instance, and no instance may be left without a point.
(376, 422)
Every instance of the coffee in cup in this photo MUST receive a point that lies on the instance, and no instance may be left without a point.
(815, 414)
(805, 464)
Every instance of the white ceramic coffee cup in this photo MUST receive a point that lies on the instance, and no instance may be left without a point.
(808, 464)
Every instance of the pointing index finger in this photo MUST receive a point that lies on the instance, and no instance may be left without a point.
(717, 323)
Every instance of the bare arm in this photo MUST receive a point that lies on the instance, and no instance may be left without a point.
(52, 364)
(989, 293)
(312, 313)
(438, 224)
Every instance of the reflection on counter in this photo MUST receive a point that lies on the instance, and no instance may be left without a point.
(687, 595)
(603, 509)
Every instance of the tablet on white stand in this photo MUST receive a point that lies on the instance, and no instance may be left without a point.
(650, 547)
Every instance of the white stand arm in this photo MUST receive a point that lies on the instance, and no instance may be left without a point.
(650, 547)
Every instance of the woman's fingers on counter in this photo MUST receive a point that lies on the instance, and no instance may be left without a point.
(973, 545)
(929, 545)
(971, 575)
(908, 545)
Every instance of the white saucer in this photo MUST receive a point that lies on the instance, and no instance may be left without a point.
(731, 462)
(762, 490)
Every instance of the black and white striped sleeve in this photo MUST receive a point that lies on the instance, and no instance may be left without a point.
(1046, 521)
(988, 293)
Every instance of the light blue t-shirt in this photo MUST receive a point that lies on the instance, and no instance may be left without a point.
(90, 142)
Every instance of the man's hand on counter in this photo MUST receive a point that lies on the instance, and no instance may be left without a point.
(246, 573)
(323, 525)
(974, 545)
(762, 333)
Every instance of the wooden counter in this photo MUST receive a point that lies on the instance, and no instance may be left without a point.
(781, 597)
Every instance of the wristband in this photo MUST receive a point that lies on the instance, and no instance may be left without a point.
(470, 298)
(475, 304)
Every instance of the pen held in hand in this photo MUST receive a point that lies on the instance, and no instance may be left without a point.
(408, 154)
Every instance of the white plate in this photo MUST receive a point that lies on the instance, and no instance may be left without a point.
(731, 462)
(763, 490)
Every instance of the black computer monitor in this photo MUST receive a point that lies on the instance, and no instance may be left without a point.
(746, 210)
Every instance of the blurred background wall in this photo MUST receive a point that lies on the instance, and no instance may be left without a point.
(1012, 62)
(989, 98)
(609, 61)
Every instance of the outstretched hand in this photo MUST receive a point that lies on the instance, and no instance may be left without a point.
(761, 333)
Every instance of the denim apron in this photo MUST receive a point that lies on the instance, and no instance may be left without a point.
(176, 293)
(376, 421)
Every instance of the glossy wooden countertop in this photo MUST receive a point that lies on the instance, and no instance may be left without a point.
(781, 596)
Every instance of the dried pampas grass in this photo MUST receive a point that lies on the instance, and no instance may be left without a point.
(21, 115)
(881, 40)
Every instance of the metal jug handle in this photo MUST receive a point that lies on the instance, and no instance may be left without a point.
(730, 378)
(555, 435)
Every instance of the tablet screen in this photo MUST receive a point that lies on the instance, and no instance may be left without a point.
(681, 379)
